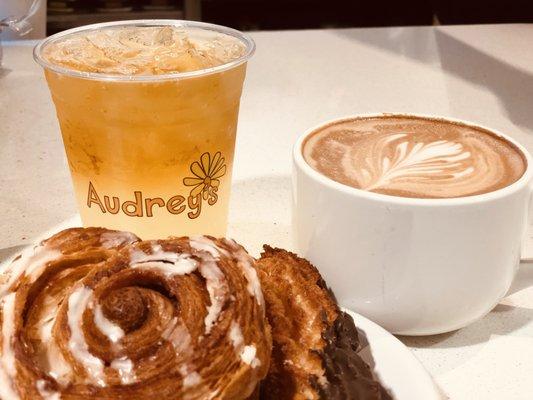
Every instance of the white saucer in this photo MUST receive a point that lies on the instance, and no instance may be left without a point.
(394, 364)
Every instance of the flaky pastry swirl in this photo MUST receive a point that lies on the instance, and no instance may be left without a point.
(92, 313)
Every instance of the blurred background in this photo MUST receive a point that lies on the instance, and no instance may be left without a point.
(55, 15)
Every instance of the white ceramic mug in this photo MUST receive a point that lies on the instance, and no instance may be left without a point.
(414, 266)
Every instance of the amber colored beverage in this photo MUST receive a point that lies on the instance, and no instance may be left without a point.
(150, 139)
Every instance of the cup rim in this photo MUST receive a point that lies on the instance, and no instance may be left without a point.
(300, 163)
(242, 37)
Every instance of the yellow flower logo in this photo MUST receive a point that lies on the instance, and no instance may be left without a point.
(206, 180)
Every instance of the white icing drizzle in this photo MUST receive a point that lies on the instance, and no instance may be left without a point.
(213, 394)
(246, 353)
(124, 367)
(192, 379)
(59, 369)
(248, 356)
(178, 335)
(202, 243)
(113, 332)
(31, 262)
(245, 262)
(8, 331)
(77, 303)
(115, 239)
(47, 318)
(181, 266)
(216, 287)
(45, 393)
(235, 335)
(213, 276)
(158, 254)
(168, 263)
(254, 286)
(6, 390)
(8, 369)
(190, 376)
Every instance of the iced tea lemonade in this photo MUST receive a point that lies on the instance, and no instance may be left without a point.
(148, 113)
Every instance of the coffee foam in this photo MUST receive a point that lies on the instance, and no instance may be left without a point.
(143, 50)
(414, 157)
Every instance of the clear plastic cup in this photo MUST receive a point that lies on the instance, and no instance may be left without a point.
(151, 154)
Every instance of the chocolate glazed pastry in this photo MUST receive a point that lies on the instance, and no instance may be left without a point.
(314, 343)
(98, 314)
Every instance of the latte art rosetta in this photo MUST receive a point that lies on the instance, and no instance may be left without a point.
(414, 158)
(442, 158)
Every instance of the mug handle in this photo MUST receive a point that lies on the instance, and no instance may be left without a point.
(524, 275)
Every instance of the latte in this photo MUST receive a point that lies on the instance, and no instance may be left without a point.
(416, 157)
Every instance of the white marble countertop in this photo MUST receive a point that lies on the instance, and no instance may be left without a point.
(298, 79)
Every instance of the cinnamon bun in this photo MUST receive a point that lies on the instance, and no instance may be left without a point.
(93, 313)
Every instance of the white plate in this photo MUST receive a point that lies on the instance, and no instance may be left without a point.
(394, 364)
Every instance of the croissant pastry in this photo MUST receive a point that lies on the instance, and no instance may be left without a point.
(315, 344)
(93, 313)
